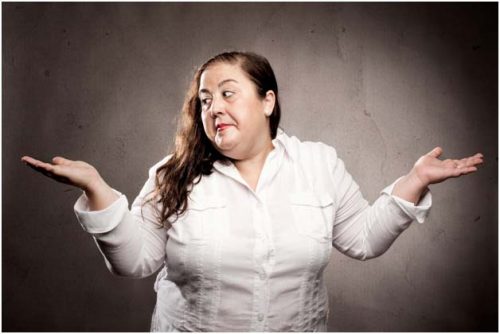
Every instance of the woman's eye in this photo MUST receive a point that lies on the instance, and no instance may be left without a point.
(205, 101)
(227, 93)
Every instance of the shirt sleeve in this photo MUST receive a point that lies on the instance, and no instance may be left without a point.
(131, 241)
(365, 231)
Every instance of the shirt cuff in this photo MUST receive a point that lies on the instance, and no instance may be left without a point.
(418, 212)
(100, 221)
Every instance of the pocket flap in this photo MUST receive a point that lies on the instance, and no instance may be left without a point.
(207, 202)
(311, 199)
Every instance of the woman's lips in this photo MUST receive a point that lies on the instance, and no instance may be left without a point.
(222, 127)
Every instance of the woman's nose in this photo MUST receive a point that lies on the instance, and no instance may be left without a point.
(217, 107)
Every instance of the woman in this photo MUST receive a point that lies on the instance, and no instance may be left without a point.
(242, 217)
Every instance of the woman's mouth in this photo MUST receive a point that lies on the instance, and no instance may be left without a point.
(222, 127)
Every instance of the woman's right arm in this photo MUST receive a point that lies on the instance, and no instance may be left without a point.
(79, 174)
(131, 241)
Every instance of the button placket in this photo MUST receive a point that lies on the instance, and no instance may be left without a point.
(262, 306)
(261, 288)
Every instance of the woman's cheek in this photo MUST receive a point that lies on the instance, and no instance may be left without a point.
(208, 127)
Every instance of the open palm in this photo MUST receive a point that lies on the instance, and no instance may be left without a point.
(430, 169)
(77, 173)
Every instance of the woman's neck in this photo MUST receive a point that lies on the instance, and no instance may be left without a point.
(251, 167)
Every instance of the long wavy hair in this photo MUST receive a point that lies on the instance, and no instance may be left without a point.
(194, 154)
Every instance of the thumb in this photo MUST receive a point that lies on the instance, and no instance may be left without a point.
(436, 152)
(60, 161)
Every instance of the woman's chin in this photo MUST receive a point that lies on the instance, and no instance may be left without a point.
(228, 149)
(224, 147)
(224, 142)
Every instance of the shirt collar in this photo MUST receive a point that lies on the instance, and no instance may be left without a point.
(286, 142)
(281, 142)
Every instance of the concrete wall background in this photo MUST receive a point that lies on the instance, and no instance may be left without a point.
(382, 83)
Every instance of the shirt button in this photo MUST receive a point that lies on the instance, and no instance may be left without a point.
(262, 276)
(260, 317)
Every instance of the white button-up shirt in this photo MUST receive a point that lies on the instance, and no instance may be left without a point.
(244, 260)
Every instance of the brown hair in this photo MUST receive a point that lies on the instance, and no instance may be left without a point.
(194, 154)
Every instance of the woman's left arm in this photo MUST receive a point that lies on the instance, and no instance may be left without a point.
(430, 170)
(363, 231)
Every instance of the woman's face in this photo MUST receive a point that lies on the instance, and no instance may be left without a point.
(235, 117)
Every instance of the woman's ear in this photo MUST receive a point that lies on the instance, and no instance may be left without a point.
(269, 102)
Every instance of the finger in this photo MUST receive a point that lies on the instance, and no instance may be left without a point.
(452, 170)
(41, 164)
(467, 170)
(41, 167)
(450, 163)
(479, 160)
(456, 172)
(54, 172)
(436, 152)
(60, 161)
(25, 158)
(472, 161)
(30, 160)
(462, 162)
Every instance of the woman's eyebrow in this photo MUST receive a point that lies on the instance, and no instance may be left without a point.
(225, 81)
(204, 90)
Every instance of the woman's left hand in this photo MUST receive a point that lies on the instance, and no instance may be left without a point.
(429, 169)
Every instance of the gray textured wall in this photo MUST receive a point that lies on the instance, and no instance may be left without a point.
(383, 83)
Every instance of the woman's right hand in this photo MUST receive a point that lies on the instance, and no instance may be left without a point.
(79, 174)
(76, 173)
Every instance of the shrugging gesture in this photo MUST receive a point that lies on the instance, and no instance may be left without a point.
(232, 113)
(429, 169)
(79, 174)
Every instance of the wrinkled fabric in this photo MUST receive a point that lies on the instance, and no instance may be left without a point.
(244, 260)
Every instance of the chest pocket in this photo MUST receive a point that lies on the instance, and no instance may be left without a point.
(206, 218)
(312, 215)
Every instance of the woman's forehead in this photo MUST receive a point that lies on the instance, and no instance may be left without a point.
(221, 72)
